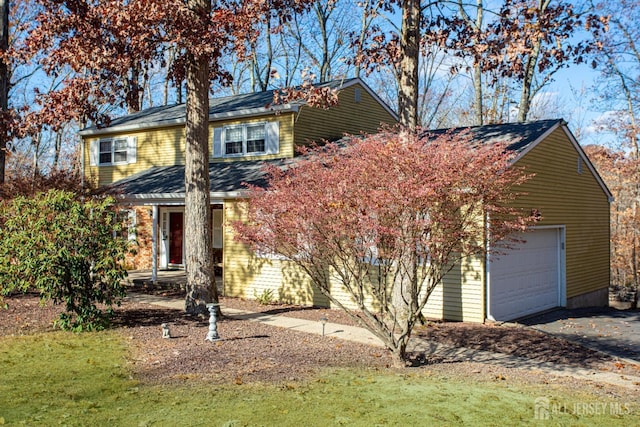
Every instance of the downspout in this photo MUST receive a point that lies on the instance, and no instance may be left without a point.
(154, 245)
(486, 276)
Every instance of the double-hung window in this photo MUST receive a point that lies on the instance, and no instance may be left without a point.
(250, 139)
(244, 140)
(113, 151)
(255, 139)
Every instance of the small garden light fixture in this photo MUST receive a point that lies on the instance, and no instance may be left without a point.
(166, 333)
(323, 320)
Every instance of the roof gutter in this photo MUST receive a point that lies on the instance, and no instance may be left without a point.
(181, 121)
(178, 198)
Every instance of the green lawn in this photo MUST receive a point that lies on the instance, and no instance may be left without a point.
(67, 379)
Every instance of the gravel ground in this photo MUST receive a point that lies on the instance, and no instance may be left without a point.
(252, 351)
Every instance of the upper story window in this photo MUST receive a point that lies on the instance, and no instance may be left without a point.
(244, 140)
(113, 151)
(251, 139)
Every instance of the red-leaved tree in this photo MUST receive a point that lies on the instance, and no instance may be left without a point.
(351, 214)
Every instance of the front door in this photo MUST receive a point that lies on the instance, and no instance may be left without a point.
(176, 232)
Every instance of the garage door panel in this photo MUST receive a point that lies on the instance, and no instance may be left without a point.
(525, 279)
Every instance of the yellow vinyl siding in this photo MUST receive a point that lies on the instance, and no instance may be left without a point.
(165, 147)
(286, 150)
(460, 296)
(247, 275)
(315, 124)
(155, 147)
(576, 200)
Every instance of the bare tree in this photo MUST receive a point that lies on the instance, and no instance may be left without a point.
(620, 71)
(5, 76)
(619, 93)
(535, 38)
(475, 28)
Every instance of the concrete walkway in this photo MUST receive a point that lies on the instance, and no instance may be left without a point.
(361, 335)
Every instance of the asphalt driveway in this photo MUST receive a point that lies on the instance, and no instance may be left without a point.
(613, 331)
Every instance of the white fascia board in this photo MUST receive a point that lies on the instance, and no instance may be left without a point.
(178, 198)
(130, 127)
(587, 162)
(537, 141)
(249, 112)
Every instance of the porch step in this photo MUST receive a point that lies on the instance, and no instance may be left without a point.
(166, 280)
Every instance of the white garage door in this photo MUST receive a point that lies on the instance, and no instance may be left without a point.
(528, 278)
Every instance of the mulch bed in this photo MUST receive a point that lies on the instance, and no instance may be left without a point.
(252, 351)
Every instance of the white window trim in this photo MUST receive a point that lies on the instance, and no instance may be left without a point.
(131, 148)
(244, 127)
(271, 140)
(132, 231)
(129, 224)
(217, 228)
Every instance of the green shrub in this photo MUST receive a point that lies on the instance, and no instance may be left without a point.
(67, 248)
(265, 297)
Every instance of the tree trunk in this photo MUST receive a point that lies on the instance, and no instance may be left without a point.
(322, 13)
(36, 139)
(526, 95)
(132, 88)
(410, 51)
(476, 25)
(408, 112)
(57, 149)
(4, 84)
(399, 356)
(201, 286)
(477, 87)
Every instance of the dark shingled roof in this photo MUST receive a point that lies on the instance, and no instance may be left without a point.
(517, 135)
(224, 177)
(161, 181)
(228, 105)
